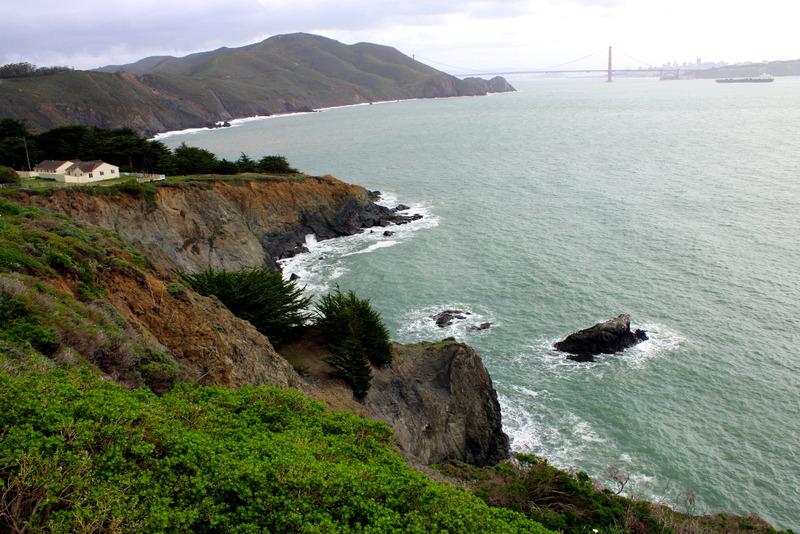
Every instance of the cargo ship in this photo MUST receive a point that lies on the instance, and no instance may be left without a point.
(764, 78)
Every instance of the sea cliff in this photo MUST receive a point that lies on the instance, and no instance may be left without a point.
(439, 399)
(223, 224)
(158, 408)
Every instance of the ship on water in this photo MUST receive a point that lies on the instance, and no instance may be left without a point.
(764, 78)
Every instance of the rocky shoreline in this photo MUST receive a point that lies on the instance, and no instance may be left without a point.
(353, 218)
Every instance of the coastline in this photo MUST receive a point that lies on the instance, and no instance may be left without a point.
(244, 120)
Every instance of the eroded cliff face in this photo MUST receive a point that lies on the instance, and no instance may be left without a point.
(213, 345)
(437, 397)
(224, 224)
(440, 400)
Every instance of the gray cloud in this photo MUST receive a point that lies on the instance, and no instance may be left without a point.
(79, 33)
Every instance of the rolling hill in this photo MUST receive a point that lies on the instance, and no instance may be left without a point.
(281, 74)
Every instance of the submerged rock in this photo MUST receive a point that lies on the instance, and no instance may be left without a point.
(478, 327)
(401, 207)
(603, 338)
(405, 219)
(387, 233)
(446, 317)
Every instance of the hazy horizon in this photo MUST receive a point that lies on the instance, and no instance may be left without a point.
(471, 36)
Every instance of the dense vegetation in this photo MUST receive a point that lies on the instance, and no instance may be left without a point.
(121, 147)
(574, 503)
(81, 455)
(38, 319)
(276, 307)
(24, 70)
(8, 175)
(356, 338)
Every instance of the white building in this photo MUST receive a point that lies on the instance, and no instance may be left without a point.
(76, 171)
(51, 168)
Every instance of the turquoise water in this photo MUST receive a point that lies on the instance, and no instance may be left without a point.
(570, 202)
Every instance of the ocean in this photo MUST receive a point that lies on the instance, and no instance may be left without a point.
(567, 203)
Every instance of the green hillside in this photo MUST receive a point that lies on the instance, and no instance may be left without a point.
(281, 74)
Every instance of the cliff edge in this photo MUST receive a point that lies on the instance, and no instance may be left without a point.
(437, 397)
(227, 224)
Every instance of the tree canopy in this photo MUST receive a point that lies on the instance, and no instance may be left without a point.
(121, 147)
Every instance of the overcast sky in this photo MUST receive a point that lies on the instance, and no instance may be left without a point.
(455, 36)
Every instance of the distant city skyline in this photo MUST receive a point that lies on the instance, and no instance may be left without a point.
(469, 36)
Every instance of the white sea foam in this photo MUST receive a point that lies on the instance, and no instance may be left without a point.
(560, 442)
(244, 120)
(326, 261)
(374, 246)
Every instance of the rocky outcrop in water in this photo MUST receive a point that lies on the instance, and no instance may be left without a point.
(447, 317)
(607, 337)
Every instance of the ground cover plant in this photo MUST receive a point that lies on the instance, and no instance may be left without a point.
(78, 454)
(574, 503)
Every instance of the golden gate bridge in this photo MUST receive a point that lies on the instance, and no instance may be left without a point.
(564, 68)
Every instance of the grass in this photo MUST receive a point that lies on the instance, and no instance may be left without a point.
(48, 245)
(47, 183)
(242, 177)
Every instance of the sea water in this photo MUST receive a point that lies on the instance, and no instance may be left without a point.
(567, 203)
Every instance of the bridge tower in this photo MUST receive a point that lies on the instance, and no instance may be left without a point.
(609, 63)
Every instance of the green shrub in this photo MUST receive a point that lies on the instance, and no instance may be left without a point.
(560, 500)
(177, 290)
(351, 364)
(8, 175)
(276, 307)
(275, 164)
(20, 325)
(356, 337)
(344, 316)
(78, 454)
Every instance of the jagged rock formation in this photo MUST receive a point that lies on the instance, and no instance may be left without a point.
(607, 337)
(437, 397)
(285, 73)
(226, 224)
(440, 401)
(446, 317)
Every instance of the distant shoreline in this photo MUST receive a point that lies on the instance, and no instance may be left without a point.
(244, 120)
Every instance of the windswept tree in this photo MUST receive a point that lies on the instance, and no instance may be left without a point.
(276, 307)
(356, 335)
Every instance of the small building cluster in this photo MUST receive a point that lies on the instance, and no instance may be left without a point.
(74, 171)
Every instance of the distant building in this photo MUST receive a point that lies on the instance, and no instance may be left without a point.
(76, 171)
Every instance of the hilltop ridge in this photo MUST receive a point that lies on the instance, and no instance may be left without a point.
(285, 73)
